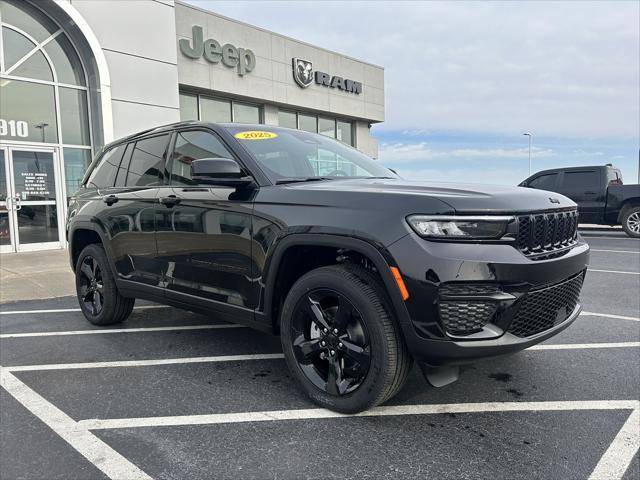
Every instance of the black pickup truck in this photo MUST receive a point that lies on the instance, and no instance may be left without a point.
(601, 197)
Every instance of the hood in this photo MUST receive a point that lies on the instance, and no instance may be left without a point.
(472, 198)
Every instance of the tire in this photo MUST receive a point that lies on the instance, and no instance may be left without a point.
(631, 221)
(98, 295)
(370, 326)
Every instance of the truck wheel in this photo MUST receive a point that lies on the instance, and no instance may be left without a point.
(340, 340)
(631, 221)
(98, 296)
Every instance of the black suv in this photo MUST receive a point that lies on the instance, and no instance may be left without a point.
(359, 271)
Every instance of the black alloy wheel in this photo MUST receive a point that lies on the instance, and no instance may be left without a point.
(91, 285)
(98, 295)
(340, 339)
(330, 342)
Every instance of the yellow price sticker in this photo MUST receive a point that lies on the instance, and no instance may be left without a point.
(255, 135)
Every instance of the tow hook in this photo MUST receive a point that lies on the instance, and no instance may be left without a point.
(440, 376)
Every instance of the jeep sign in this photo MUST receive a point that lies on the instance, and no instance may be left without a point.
(304, 75)
(242, 59)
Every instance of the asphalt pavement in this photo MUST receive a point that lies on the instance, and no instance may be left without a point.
(172, 395)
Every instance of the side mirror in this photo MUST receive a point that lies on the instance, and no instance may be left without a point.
(222, 172)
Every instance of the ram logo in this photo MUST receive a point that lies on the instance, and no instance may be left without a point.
(302, 72)
(554, 200)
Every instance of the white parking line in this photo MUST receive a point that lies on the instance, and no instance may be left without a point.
(110, 462)
(120, 330)
(609, 315)
(613, 271)
(66, 310)
(583, 346)
(145, 363)
(319, 413)
(617, 251)
(619, 455)
(258, 356)
(608, 238)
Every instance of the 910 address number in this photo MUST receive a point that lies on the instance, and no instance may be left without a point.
(14, 128)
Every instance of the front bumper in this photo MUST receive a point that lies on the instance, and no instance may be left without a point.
(429, 268)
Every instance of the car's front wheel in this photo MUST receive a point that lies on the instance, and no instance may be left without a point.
(340, 340)
(631, 221)
(98, 295)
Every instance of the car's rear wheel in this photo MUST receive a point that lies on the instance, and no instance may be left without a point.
(98, 295)
(340, 340)
(631, 221)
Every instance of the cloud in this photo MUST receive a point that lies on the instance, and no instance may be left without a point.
(398, 153)
(553, 68)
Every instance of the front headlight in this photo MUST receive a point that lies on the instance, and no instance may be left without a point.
(460, 227)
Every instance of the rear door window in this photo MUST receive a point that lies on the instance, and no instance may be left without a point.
(580, 180)
(147, 162)
(103, 176)
(544, 182)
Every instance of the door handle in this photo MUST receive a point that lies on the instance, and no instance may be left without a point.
(16, 202)
(590, 193)
(110, 199)
(169, 201)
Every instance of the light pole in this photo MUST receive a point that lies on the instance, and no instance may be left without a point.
(42, 126)
(530, 135)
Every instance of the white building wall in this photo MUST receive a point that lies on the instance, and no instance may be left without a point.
(138, 40)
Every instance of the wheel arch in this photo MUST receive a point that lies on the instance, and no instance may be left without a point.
(627, 204)
(376, 254)
(83, 234)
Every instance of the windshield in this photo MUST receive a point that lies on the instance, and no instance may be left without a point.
(285, 153)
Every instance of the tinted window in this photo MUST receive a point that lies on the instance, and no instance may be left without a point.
(147, 162)
(192, 146)
(105, 173)
(577, 180)
(121, 177)
(544, 182)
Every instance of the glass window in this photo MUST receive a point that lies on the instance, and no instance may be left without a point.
(147, 162)
(188, 107)
(287, 119)
(121, 177)
(215, 110)
(308, 123)
(15, 46)
(327, 127)
(544, 182)
(76, 162)
(296, 154)
(578, 180)
(36, 66)
(192, 146)
(31, 108)
(103, 176)
(74, 116)
(66, 61)
(27, 18)
(344, 132)
(246, 113)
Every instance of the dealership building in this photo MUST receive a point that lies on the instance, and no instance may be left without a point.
(77, 74)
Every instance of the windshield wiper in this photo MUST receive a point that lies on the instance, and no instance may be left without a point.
(282, 181)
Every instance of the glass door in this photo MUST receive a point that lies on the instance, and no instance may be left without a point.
(6, 239)
(31, 204)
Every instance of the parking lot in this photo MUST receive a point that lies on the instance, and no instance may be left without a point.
(172, 394)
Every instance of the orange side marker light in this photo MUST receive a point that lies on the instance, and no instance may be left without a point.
(400, 282)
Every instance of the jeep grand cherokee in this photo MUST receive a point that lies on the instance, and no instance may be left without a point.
(359, 271)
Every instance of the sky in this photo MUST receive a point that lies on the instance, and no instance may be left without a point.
(465, 80)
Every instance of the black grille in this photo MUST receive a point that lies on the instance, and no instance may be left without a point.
(546, 307)
(541, 235)
(465, 318)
